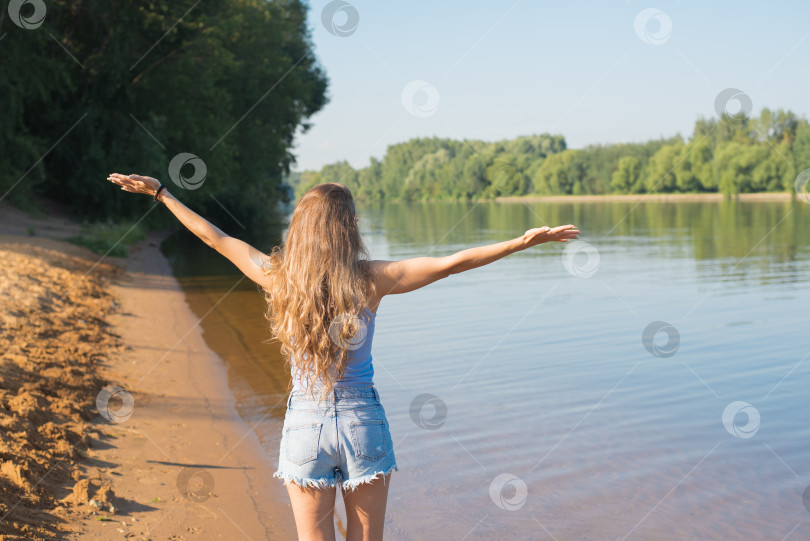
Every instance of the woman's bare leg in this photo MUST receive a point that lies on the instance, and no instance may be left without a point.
(313, 509)
(365, 510)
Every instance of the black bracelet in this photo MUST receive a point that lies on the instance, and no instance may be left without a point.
(157, 193)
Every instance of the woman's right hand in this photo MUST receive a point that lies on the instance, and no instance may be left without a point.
(539, 235)
(135, 183)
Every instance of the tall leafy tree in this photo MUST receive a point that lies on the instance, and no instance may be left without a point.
(627, 178)
(229, 81)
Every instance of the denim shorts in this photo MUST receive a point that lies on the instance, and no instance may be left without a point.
(343, 439)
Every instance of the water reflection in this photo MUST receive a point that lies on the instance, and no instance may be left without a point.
(712, 230)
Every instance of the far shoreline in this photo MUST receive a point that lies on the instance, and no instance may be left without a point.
(649, 197)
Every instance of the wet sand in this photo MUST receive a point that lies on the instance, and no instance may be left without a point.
(184, 465)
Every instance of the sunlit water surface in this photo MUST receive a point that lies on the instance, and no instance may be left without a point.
(560, 423)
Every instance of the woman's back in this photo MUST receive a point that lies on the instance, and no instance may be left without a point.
(359, 368)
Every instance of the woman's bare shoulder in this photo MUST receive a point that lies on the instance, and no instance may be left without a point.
(374, 267)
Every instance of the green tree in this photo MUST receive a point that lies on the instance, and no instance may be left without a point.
(474, 180)
(661, 169)
(627, 177)
(230, 81)
(736, 164)
(801, 147)
(558, 173)
(694, 172)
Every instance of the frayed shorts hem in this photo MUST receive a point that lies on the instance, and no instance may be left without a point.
(305, 481)
(349, 484)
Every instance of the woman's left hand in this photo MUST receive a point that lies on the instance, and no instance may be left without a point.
(135, 183)
(540, 235)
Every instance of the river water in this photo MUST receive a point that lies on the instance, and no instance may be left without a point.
(649, 383)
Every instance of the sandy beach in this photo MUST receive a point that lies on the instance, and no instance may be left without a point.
(117, 418)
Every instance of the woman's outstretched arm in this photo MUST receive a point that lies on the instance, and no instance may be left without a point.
(406, 275)
(241, 254)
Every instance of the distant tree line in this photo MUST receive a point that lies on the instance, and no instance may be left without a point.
(106, 86)
(730, 154)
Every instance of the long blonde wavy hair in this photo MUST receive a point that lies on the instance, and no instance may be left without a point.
(319, 281)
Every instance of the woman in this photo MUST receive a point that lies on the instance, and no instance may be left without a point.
(323, 294)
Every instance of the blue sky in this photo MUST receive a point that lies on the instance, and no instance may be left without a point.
(576, 68)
